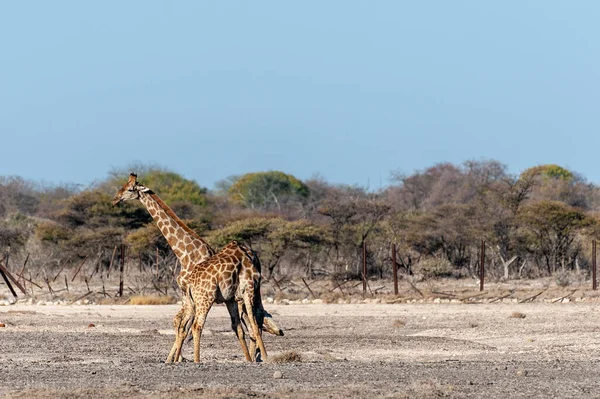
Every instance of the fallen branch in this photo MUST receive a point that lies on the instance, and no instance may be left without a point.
(442, 293)
(277, 284)
(80, 298)
(24, 264)
(60, 271)
(29, 281)
(415, 288)
(339, 285)
(566, 296)
(397, 300)
(79, 268)
(308, 287)
(501, 297)
(531, 298)
(11, 278)
(158, 289)
(12, 290)
(466, 297)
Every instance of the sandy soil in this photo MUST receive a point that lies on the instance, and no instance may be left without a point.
(347, 351)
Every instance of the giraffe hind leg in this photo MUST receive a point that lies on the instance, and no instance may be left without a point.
(197, 332)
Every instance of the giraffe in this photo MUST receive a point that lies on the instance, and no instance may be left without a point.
(189, 248)
(229, 277)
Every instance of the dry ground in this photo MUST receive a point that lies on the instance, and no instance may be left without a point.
(347, 351)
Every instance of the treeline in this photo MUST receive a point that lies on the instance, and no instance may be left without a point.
(537, 223)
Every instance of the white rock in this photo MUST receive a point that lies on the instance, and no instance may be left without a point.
(318, 301)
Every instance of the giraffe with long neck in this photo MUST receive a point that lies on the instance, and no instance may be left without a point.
(189, 248)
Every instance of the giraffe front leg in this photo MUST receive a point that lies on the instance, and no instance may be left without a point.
(254, 354)
(236, 326)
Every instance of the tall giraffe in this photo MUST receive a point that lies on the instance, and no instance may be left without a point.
(189, 248)
(231, 277)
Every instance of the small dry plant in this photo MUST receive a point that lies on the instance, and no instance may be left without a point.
(331, 297)
(399, 323)
(287, 357)
(517, 315)
(152, 300)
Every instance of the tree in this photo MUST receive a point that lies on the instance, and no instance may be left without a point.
(87, 224)
(555, 183)
(273, 238)
(268, 190)
(432, 187)
(552, 228)
(17, 195)
(184, 196)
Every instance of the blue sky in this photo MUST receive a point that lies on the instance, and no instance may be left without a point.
(346, 89)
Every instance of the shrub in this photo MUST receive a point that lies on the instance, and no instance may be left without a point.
(434, 268)
(287, 357)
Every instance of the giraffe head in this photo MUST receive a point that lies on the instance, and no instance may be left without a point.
(130, 190)
(270, 326)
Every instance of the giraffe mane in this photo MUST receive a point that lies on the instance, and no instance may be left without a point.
(176, 218)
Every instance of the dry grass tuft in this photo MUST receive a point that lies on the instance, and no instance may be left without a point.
(399, 323)
(517, 315)
(331, 297)
(152, 300)
(287, 357)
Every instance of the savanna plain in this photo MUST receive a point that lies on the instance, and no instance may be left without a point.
(402, 350)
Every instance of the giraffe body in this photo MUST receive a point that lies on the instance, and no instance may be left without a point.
(228, 277)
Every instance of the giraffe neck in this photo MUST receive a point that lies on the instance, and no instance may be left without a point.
(186, 244)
